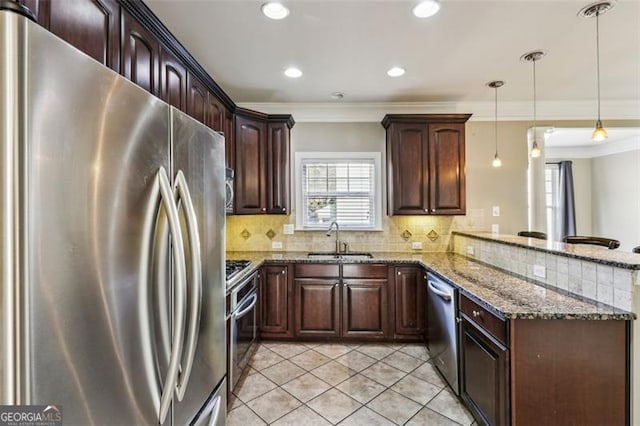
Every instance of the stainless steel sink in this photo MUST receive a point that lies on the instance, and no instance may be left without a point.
(339, 256)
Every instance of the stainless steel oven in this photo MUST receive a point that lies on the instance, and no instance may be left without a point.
(243, 326)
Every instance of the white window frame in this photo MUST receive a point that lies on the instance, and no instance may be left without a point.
(377, 181)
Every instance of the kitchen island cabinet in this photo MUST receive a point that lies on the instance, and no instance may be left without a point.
(426, 164)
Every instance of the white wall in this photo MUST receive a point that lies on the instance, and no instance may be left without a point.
(615, 181)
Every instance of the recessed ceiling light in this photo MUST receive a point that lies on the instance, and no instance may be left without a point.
(426, 8)
(275, 10)
(293, 72)
(395, 72)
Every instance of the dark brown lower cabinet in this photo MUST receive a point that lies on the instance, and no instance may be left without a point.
(484, 373)
(317, 307)
(364, 308)
(410, 306)
(275, 302)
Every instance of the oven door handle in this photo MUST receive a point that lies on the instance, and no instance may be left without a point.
(244, 311)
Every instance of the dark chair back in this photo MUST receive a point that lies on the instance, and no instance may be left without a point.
(533, 234)
(598, 241)
(636, 249)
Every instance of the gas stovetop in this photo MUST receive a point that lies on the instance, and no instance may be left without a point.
(234, 268)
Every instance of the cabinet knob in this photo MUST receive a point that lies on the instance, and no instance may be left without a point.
(476, 314)
(399, 273)
(284, 209)
(283, 271)
(433, 210)
(426, 210)
(264, 209)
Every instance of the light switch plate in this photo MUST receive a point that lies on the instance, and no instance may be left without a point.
(496, 211)
(495, 228)
(416, 245)
(471, 251)
(276, 244)
(287, 229)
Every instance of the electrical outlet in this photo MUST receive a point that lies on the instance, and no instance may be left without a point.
(276, 244)
(287, 229)
(539, 271)
(496, 211)
(495, 228)
(471, 251)
(416, 245)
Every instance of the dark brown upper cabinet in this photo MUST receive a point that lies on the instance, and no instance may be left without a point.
(140, 54)
(173, 80)
(426, 164)
(197, 97)
(261, 163)
(92, 26)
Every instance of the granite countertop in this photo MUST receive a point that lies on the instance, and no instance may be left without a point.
(504, 294)
(597, 254)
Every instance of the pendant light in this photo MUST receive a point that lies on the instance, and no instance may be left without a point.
(533, 57)
(590, 11)
(495, 85)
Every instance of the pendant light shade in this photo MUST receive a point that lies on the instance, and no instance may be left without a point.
(495, 85)
(594, 10)
(533, 57)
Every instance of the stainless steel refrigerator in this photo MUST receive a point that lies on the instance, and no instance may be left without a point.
(112, 297)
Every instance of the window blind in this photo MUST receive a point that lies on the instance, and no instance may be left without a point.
(338, 190)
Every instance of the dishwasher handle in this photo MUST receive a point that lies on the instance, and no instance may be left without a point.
(443, 294)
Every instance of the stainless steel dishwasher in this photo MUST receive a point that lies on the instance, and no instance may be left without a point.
(442, 328)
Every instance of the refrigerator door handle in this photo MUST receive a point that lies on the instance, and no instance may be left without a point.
(215, 412)
(179, 293)
(195, 299)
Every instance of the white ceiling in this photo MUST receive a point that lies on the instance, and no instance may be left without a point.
(348, 46)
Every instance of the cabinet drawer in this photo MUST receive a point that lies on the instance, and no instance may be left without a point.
(485, 319)
(317, 271)
(364, 270)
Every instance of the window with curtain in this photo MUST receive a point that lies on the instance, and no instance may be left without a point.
(341, 187)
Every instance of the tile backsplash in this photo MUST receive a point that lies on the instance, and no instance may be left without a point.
(251, 233)
(602, 283)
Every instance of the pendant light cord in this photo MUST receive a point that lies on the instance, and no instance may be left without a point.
(598, 61)
(496, 118)
(534, 98)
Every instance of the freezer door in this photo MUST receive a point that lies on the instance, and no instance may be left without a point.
(87, 162)
(214, 413)
(198, 155)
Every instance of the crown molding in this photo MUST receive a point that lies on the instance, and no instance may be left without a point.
(594, 151)
(482, 111)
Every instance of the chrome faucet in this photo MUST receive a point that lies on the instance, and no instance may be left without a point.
(337, 235)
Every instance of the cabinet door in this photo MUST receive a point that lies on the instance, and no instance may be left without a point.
(317, 306)
(229, 138)
(274, 301)
(447, 169)
(277, 154)
(410, 295)
(250, 177)
(173, 80)
(92, 26)
(196, 98)
(364, 308)
(484, 373)
(140, 54)
(215, 114)
(407, 145)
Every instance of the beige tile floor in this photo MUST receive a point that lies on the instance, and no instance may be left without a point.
(306, 384)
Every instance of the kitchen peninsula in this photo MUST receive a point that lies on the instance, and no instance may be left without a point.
(537, 339)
